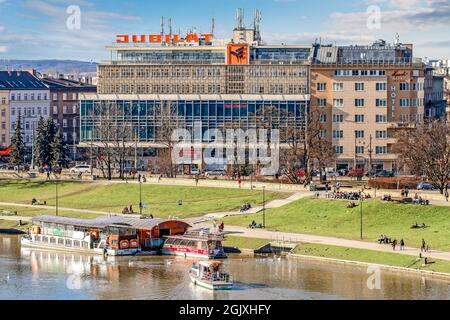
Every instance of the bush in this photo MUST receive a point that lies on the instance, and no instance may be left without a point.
(393, 183)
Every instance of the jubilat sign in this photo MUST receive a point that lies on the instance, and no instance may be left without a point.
(158, 38)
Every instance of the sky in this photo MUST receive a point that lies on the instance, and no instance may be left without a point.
(52, 29)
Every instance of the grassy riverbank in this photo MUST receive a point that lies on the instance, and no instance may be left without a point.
(161, 200)
(333, 218)
(244, 243)
(369, 256)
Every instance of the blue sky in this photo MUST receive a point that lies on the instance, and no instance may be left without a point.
(36, 29)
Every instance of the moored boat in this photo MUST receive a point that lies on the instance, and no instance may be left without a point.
(200, 243)
(209, 275)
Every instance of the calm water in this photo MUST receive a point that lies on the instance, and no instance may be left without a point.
(35, 274)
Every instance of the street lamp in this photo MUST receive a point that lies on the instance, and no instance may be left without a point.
(56, 187)
(361, 214)
(264, 207)
(140, 197)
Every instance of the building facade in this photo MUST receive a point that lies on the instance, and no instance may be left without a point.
(364, 94)
(65, 108)
(29, 97)
(4, 118)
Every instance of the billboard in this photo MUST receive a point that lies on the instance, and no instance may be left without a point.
(237, 54)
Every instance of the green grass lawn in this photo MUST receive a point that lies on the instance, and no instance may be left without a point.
(244, 243)
(37, 211)
(369, 256)
(6, 224)
(333, 218)
(162, 200)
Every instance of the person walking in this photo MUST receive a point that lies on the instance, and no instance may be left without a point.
(423, 248)
(394, 244)
(402, 245)
(446, 195)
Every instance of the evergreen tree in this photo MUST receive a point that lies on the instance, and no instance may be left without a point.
(50, 134)
(39, 144)
(59, 151)
(18, 146)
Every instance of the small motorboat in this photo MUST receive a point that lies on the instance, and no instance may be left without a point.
(209, 275)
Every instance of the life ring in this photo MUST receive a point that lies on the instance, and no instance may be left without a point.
(124, 244)
(134, 244)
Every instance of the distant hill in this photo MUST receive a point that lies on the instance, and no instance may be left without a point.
(50, 66)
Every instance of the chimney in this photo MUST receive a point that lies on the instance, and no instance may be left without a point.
(31, 71)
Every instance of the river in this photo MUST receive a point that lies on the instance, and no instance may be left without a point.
(35, 274)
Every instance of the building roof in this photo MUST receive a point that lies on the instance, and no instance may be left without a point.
(68, 85)
(103, 222)
(20, 80)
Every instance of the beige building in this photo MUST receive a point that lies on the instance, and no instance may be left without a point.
(363, 103)
(4, 119)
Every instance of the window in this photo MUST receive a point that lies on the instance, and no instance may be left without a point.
(381, 150)
(381, 134)
(32, 97)
(39, 96)
(64, 123)
(404, 103)
(359, 103)
(321, 102)
(323, 118)
(338, 134)
(55, 109)
(338, 86)
(359, 149)
(13, 97)
(404, 86)
(339, 149)
(3, 113)
(323, 134)
(321, 87)
(359, 118)
(338, 103)
(338, 118)
(64, 109)
(359, 134)
(381, 102)
(381, 86)
(380, 118)
(3, 100)
(55, 97)
(25, 96)
(3, 125)
(74, 122)
(359, 86)
(65, 136)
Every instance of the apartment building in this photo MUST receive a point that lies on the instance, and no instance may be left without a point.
(364, 94)
(4, 118)
(65, 108)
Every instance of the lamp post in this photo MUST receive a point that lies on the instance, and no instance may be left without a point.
(56, 187)
(361, 214)
(264, 207)
(140, 197)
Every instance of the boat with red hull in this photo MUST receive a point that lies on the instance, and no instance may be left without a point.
(199, 243)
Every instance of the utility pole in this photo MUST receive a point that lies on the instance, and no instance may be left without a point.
(370, 154)
(56, 184)
(140, 197)
(264, 207)
(361, 213)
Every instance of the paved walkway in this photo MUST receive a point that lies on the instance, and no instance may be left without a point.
(11, 204)
(305, 238)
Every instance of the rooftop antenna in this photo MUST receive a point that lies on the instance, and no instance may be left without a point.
(257, 25)
(213, 25)
(397, 39)
(170, 29)
(162, 29)
(240, 19)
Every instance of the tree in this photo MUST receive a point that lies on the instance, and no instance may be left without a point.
(43, 142)
(59, 151)
(18, 146)
(425, 152)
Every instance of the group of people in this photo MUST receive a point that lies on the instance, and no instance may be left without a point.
(254, 225)
(405, 192)
(419, 200)
(348, 195)
(245, 207)
(384, 239)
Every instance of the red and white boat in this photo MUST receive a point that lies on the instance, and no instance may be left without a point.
(199, 243)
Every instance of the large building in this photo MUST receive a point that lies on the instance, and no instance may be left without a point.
(25, 95)
(220, 86)
(365, 94)
(65, 108)
(362, 94)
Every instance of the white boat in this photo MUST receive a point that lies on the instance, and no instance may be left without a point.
(209, 275)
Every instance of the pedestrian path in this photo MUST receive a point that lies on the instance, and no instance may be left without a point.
(11, 204)
(332, 241)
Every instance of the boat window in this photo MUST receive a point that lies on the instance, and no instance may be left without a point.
(68, 243)
(53, 240)
(37, 238)
(44, 239)
(76, 243)
(60, 241)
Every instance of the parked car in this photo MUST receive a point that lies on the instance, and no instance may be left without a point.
(425, 186)
(215, 173)
(380, 174)
(81, 168)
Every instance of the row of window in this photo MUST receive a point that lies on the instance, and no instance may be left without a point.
(66, 109)
(28, 97)
(30, 112)
(360, 73)
(361, 149)
(381, 103)
(66, 96)
(379, 86)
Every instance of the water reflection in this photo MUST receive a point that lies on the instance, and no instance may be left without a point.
(37, 274)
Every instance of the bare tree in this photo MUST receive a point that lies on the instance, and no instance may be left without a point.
(425, 152)
(169, 120)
